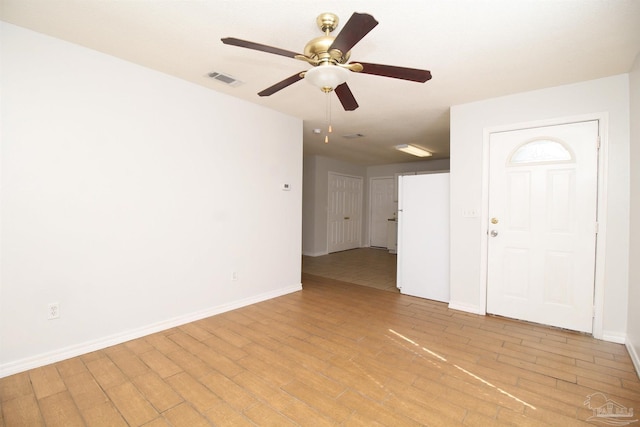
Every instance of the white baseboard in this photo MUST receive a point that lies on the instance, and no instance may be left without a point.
(469, 308)
(635, 357)
(100, 343)
(314, 254)
(616, 337)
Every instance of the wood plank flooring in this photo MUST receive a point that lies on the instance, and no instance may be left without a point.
(371, 267)
(333, 354)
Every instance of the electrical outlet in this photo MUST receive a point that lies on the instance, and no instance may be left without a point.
(53, 311)
(234, 276)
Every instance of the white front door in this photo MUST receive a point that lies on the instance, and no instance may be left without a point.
(383, 208)
(542, 224)
(344, 212)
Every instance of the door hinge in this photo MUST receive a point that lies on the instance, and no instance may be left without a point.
(593, 311)
(598, 142)
(597, 227)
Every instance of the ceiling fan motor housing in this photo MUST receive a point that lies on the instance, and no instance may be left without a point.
(318, 49)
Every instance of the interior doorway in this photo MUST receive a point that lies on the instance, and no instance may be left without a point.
(382, 209)
(344, 212)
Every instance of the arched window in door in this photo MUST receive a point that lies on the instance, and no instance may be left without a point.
(545, 150)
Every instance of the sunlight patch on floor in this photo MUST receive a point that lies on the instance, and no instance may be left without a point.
(461, 369)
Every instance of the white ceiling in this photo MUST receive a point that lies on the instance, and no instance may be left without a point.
(475, 49)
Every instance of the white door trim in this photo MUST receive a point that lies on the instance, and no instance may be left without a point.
(599, 285)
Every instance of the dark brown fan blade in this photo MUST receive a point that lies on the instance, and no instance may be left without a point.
(257, 46)
(346, 98)
(412, 74)
(280, 85)
(354, 30)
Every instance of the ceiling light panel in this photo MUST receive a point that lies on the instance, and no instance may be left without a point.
(413, 150)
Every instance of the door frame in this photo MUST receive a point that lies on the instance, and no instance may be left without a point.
(370, 208)
(601, 207)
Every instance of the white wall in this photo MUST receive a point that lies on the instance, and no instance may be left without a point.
(468, 122)
(130, 197)
(633, 323)
(308, 204)
(394, 168)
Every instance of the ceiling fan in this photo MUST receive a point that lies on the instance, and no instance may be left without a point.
(329, 55)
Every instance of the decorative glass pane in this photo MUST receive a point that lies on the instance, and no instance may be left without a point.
(541, 151)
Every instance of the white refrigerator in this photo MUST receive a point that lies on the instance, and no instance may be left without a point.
(423, 236)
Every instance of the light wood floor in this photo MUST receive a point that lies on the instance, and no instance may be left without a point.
(371, 267)
(333, 354)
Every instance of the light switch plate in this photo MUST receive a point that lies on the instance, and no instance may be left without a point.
(470, 213)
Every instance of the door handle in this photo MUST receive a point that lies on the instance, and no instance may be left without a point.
(494, 233)
(346, 217)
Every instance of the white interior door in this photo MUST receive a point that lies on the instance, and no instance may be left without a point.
(423, 236)
(542, 230)
(344, 212)
(381, 192)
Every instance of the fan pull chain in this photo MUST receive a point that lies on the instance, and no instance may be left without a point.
(329, 129)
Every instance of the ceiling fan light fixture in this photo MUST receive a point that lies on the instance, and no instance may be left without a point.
(327, 77)
(412, 149)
